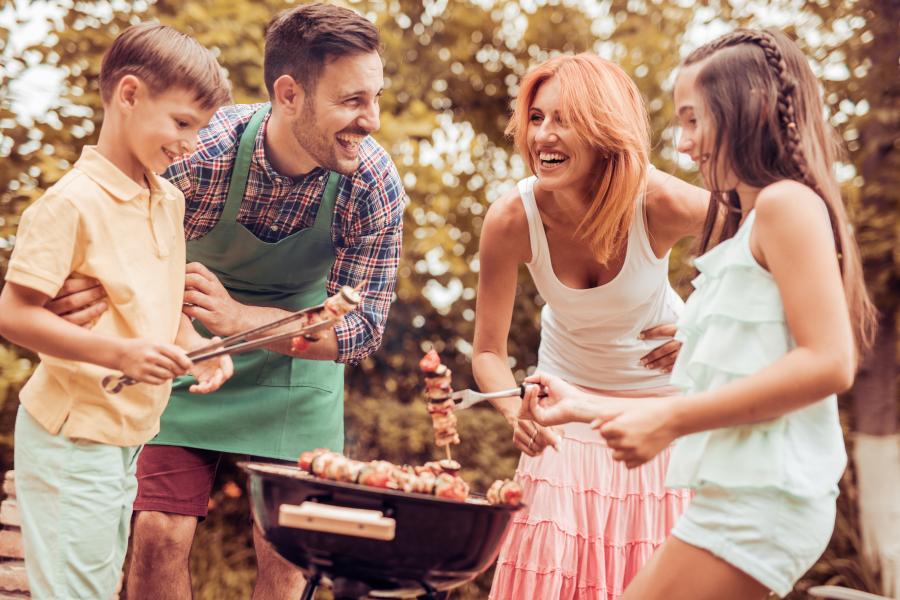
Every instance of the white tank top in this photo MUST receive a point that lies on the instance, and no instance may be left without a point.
(590, 336)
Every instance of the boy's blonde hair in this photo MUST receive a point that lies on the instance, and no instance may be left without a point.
(602, 104)
(164, 58)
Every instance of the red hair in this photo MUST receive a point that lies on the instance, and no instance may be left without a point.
(602, 104)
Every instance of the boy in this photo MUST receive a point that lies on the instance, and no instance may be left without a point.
(111, 218)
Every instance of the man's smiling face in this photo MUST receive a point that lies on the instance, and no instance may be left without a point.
(341, 110)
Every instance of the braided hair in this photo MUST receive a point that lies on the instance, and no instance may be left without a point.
(765, 103)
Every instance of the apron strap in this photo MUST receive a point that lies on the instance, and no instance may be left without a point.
(325, 214)
(241, 169)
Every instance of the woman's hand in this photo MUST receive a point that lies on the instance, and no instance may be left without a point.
(531, 438)
(640, 431)
(663, 356)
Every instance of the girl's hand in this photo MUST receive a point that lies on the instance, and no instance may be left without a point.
(564, 402)
(639, 432)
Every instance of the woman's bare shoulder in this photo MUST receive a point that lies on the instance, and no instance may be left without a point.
(507, 224)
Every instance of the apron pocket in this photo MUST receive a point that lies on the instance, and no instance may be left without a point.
(283, 371)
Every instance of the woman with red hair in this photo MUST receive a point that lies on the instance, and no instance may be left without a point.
(594, 225)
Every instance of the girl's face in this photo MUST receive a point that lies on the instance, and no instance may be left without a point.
(697, 129)
(560, 158)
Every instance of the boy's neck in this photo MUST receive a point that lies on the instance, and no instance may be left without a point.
(113, 146)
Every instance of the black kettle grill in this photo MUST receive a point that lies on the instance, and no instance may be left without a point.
(371, 542)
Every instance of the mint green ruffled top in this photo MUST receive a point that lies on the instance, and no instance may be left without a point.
(733, 325)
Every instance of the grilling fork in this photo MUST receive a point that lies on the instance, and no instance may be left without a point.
(467, 398)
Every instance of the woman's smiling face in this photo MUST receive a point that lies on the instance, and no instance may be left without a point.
(561, 159)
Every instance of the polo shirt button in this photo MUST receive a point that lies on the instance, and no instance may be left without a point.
(273, 227)
(321, 177)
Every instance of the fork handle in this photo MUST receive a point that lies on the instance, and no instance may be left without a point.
(524, 386)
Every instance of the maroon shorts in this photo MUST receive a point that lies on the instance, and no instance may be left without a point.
(179, 480)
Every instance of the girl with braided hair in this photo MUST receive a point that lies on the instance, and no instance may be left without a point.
(773, 331)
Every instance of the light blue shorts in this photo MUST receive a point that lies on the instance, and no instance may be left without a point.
(771, 536)
(75, 500)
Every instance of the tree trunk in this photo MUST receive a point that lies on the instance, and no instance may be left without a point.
(877, 456)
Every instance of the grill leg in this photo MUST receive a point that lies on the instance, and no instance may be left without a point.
(310, 590)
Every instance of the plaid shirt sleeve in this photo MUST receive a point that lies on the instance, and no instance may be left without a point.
(370, 252)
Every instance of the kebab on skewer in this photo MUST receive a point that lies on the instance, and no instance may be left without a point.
(437, 395)
(333, 309)
(430, 478)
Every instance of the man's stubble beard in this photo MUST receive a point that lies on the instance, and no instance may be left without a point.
(317, 144)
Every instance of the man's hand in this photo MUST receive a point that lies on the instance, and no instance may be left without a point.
(663, 356)
(79, 301)
(207, 300)
(150, 362)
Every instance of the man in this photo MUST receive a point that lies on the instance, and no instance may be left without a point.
(283, 207)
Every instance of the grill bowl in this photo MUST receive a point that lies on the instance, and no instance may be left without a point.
(437, 544)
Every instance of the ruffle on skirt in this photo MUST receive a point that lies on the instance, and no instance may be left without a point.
(589, 525)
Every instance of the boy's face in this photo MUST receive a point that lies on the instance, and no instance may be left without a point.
(163, 127)
(341, 111)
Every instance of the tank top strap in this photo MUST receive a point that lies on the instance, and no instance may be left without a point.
(539, 248)
(639, 235)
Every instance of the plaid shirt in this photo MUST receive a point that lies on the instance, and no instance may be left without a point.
(366, 231)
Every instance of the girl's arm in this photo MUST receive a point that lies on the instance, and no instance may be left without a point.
(25, 321)
(793, 240)
(504, 245)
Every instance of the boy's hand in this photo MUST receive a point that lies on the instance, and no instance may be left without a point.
(149, 362)
(211, 374)
(79, 301)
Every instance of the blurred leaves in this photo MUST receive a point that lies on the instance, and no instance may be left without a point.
(451, 68)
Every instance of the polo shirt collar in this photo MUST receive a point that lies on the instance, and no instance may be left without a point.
(110, 177)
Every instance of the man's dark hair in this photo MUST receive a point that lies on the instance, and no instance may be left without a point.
(301, 40)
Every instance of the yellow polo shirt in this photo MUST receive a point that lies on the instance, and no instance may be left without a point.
(97, 222)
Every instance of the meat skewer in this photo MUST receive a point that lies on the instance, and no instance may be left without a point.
(438, 392)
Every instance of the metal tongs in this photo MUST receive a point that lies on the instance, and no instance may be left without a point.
(251, 339)
(467, 398)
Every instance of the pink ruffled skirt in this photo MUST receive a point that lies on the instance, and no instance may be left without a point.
(589, 523)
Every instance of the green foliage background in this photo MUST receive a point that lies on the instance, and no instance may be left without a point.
(451, 67)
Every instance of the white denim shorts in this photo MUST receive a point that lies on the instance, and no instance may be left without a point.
(768, 534)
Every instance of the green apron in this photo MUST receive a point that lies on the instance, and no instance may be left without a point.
(274, 406)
